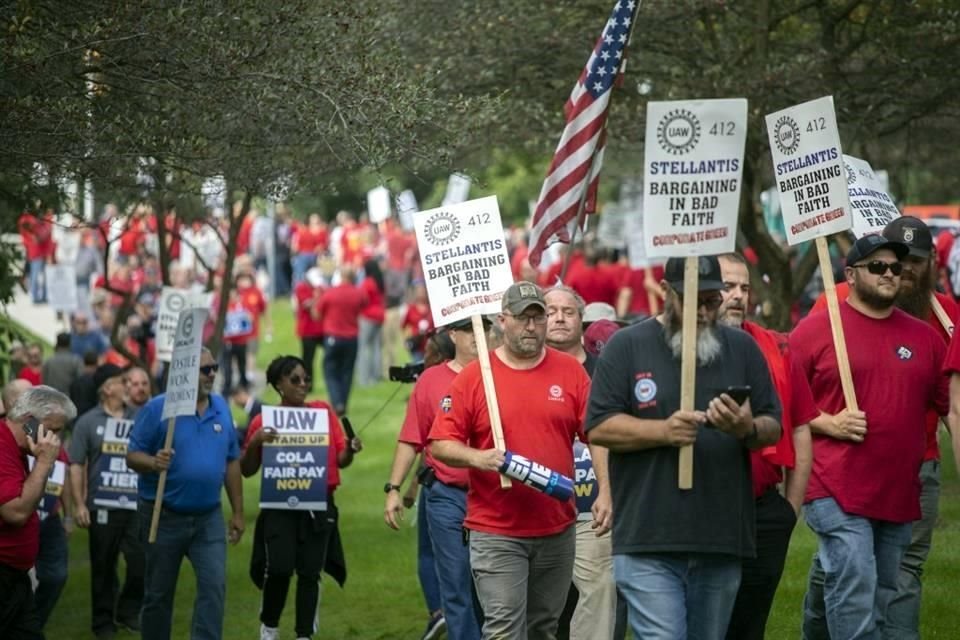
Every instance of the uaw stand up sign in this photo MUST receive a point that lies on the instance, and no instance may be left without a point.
(692, 165)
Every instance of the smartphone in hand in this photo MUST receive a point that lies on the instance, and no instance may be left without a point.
(739, 394)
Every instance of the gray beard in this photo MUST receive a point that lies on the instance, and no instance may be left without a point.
(708, 344)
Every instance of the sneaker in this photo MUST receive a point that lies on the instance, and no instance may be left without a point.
(130, 624)
(436, 627)
(269, 633)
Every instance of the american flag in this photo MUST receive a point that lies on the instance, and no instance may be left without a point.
(583, 138)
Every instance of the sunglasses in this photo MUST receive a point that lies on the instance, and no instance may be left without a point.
(210, 369)
(879, 267)
(297, 380)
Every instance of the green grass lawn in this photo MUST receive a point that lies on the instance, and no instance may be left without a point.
(382, 596)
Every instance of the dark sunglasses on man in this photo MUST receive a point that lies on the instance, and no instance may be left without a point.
(210, 369)
(879, 267)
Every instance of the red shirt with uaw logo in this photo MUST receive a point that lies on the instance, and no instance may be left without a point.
(542, 410)
(896, 364)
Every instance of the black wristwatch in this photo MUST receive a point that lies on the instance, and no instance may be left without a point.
(387, 488)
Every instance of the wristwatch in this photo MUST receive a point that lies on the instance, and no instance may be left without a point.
(387, 488)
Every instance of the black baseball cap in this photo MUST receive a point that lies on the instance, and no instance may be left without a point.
(104, 372)
(711, 278)
(912, 232)
(868, 245)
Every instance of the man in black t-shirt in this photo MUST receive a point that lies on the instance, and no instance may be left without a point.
(677, 552)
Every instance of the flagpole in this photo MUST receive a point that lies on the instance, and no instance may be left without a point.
(581, 210)
(581, 213)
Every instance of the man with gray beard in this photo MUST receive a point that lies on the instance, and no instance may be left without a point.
(677, 553)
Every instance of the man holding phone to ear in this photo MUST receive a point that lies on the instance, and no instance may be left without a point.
(25, 431)
(677, 552)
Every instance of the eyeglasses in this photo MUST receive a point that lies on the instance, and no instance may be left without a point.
(540, 318)
(209, 369)
(297, 380)
(879, 267)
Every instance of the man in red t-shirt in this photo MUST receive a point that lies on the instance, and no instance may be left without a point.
(24, 431)
(862, 517)
(306, 297)
(443, 498)
(917, 290)
(32, 371)
(339, 311)
(522, 541)
(37, 235)
(776, 515)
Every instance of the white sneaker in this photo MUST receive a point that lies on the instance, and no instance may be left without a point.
(269, 633)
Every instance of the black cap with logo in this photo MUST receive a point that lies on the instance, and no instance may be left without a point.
(912, 232)
(711, 278)
(868, 245)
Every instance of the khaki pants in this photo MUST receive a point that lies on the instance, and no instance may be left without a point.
(595, 615)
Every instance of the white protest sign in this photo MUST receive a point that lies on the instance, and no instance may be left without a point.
(871, 205)
(406, 207)
(172, 302)
(458, 189)
(612, 226)
(184, 375)
(61, 286)
(808, 167)
(464, 259)
(693, 162)
(53, 490)
(378, 204)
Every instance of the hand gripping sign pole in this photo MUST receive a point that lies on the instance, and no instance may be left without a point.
(181, 396)
(812, 183)
(466, 270)
(693, 162)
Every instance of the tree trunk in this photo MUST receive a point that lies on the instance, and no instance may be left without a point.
(236, 222)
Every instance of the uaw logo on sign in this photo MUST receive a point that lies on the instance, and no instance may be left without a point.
(443, 228)
(678, 132)
(787, 135)
(851, 174)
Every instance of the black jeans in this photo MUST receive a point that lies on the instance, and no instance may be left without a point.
(16, 604)
(120, 534)
(309, 350)
(294, 541)
(233, 352)
(761, 575)
(338, 362)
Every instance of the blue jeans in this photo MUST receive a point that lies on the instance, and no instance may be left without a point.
(446, 509)
(201, 538)
(339, 358)
(51, 568)
(38, 283)
(859, 560)
(903, 614)
(676, 595)
(426, 564)
(301, 263)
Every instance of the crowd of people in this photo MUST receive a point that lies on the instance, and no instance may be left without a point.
(587, 376)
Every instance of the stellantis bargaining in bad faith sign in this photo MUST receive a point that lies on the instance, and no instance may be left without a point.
(464, 259)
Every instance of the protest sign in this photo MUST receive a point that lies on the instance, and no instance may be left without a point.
(238, 322)
(53, 490)
(378, 204)
(812, 183)
(406, 207)
(116, 483)
(180, 399)
(808, 168)
(693, 162)
(172, 302)
(584, 481)
(871, 205)
(466, 268)
(294, 475)
(61, 287)
(464, 259)
(458, 189)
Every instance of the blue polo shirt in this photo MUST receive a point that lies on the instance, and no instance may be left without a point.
(202, 445)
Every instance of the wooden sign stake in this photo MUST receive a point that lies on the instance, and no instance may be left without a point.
(836, 327)
(161, 484)
(489, 390)
(688, 362)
